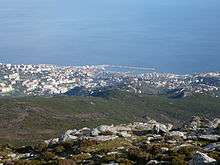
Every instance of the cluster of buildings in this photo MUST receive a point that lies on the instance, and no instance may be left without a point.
(44, 79)
(51, 79)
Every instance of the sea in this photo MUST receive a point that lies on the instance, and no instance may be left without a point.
(178, 36)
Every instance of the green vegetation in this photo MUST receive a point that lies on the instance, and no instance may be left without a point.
(28, 120)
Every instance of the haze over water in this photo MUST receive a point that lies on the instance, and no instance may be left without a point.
(171, 35)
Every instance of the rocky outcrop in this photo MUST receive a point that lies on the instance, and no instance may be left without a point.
(210, 137)
(212, 147)
(201, 159)
(135, 143)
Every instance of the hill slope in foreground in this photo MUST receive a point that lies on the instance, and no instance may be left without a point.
(34, 119)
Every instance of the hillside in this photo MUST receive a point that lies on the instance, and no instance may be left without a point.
(33, 119)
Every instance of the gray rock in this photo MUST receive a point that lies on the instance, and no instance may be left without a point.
(164, 149)
(201, 159)
(172, 141)
(153, 126)
(124, 134)
(83, 132)
(105, 138)
(95, 132)
(192, 137)
(216, 123)
(195, 123)
(68, 136)
(178, 133)
(212, 147)
(210, 137)
(52, 141)
(181, 146)
(105, 128)
(152, 162)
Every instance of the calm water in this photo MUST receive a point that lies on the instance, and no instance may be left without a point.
(171, 35)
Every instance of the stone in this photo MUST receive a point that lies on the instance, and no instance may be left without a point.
(177, 133)
(213, 147)
(200, 158)
(171, 141)
(181, 146)
(52, 141)
(195, 123)
(164, 149)
(153, 126)
(210, 137)
(216, 123)
(113, 153)
(12, 155)
(192, 137)
(121, 128)
(95, 132)
(105, 138)
(111, 163)
(152, 162)
(68, 136)
(105, 128)
(124, 134)
(83, 132)
(161, 128)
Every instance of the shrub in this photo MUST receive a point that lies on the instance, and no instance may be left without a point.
(138, 155)
(59, 149)
(66, 162)
(187, 151)
(178, 160)
(42, 147)
(48, 156)
(215, 155)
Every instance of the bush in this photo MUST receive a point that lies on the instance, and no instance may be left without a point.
(87, 143)
(215, 155)
(187, 151)
(59, 149)
(138, 155)
(178, 160)
(66, 162)
(48, 156)
(42, 147)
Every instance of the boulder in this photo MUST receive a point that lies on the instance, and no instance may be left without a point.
(105, 128)
(105, 138)
(164, 149)
(152, 162)
(200, 158)
(111, 163)
(216, 123)
(169, 127)
(83, 132)
(195, 123)
(210, 137)
(68, 136)
(152, 126)
(121, 128)
(212, 147)
(178, 134)
(182, 146)
(124, 134)
(95, 132)
(171, 141)
(52, 141)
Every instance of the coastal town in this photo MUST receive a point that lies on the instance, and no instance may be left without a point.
(45, 79)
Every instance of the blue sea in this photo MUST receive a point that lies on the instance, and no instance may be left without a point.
(181, 36)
